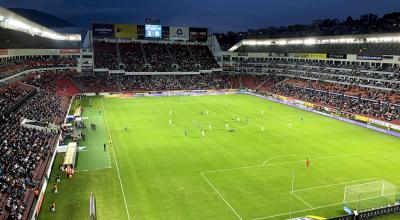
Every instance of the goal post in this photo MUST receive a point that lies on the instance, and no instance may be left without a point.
(370, 195)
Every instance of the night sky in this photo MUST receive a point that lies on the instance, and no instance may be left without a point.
(237, 15)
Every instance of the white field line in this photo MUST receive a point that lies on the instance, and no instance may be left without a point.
(319, 207)
(100, 117)
(322, 157)
(115, 160)
(337, 184)
(264, 165)
(281, 163)
(219, 194)
(298, 197)
(94, 117)
(288, 155)
(325, 186)
(215, 121)
(96, 169)
(92, 110)
(304, 210)
(380, 181)
(108, 156)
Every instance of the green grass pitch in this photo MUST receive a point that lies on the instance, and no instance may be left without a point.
(154, 171)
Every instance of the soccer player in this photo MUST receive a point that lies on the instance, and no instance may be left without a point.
(301, 119)
(185, 132)
(105, 147)
(170, 122)
(210, 127)
(126, 127)
(308, 163)
(53, 207)
(202, 133)
(99, 112)
(55, 189)
(58, 178)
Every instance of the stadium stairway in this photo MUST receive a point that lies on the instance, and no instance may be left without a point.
(250, 82)
(67, 87)
(143, 53)
(3, 199)
(237, 82)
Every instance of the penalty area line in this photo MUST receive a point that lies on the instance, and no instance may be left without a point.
(302, 200)
(219, 194)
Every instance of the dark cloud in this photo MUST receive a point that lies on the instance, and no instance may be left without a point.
(217, 14)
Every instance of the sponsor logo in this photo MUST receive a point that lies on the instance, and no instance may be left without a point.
(3, 52)
(366, 57)
(388, 57)
(63, 51)
(103, 29)
(337, 56)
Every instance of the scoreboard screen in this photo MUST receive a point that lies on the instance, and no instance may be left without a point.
(153, 31)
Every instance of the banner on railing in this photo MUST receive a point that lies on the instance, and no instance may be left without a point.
(361, 118)
(384, 124)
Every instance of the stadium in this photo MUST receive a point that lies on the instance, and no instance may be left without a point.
(150, 121)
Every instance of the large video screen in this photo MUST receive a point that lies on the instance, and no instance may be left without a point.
(153, 31)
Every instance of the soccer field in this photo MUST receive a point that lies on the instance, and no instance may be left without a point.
(241, 171)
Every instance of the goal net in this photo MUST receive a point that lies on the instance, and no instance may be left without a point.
(370, 195)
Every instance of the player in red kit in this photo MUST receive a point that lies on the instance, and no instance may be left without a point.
(308, 163)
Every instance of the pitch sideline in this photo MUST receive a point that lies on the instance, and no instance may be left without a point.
(115, 160)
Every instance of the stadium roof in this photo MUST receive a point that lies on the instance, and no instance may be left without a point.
(343, 39)
(11, 20)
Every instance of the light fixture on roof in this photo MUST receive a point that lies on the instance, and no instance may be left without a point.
(310, 41)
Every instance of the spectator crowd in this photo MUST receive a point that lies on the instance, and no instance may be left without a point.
(24, 151)
(380, 77)
(129, 83)
(15, 65)
(153, 57)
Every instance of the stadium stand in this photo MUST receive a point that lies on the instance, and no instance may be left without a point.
(24, 152)
(121, 83)
(105, 55)
(364, 89)
(11, 66)
(132, 56)
(385, 78)
(153, 57)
